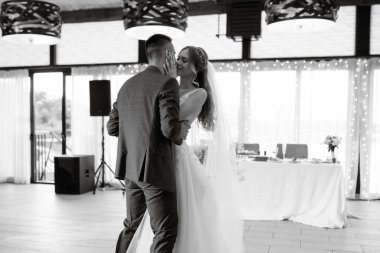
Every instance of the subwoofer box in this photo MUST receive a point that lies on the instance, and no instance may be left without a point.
(74, 174)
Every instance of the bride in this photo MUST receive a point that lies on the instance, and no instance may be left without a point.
(207, 213)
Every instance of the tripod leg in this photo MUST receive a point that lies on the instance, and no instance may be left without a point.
(114, 174)
(102, 171)
(97, 179)
(102, 159)
(109, 168)
(96, 183)
(103, 163)
(97, 170)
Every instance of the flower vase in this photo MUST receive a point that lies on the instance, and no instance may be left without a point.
(333, 158)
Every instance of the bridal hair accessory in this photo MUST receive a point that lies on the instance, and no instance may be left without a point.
(201, 54)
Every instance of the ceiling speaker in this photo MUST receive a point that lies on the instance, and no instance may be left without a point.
(244, 19)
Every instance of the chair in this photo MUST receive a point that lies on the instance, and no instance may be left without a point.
(280, 154)
(298, 151)
(251, 147)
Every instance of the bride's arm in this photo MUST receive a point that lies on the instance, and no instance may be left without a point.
(192, 106)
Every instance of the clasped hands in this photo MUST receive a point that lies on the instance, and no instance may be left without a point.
(185, 126)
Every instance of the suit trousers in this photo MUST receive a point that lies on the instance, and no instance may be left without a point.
(162, 208)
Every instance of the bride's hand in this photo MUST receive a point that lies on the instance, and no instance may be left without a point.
(170, 67)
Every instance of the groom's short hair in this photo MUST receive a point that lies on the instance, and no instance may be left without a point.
(155, 44)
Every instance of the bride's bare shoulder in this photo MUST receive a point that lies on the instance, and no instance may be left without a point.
(199, 94)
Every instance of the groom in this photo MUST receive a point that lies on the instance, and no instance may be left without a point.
(145, 117)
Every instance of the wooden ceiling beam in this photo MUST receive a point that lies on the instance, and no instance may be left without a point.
(358, 2)
(91, 15)
(195, 9)
(341, 2)
(113, 14)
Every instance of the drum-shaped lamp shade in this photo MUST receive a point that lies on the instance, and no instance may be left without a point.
(33, 22)
(300, 15)
(143, 18)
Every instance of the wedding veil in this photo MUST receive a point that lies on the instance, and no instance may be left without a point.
(221, 169)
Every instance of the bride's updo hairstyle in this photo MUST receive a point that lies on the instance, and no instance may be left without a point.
(198, 58)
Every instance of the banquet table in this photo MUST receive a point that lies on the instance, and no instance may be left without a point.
(308, 193)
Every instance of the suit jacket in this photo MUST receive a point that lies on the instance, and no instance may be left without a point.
(145, 117)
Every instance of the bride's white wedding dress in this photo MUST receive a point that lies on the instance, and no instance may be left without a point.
(200, 229)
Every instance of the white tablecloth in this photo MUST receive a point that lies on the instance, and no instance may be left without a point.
(308, 193)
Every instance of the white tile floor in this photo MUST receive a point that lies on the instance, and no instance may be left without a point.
(34, 219)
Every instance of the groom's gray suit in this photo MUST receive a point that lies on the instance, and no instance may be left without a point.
(145, 118)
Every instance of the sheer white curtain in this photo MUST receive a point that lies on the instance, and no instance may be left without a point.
(272, 108)
(374, 134)
(367, 98)
(363, 145)
(86, 130)
(323, 108)
(354, 127)
(15, 127)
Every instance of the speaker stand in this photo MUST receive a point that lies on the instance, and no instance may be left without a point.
(100, 170)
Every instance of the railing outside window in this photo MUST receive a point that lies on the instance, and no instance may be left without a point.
(47, 144)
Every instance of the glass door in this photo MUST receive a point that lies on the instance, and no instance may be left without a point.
(48, 124)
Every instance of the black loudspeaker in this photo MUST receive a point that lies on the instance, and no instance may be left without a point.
(100, 97)
(244, 19)
(74, 174)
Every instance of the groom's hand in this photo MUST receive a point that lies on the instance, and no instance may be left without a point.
(170, 67)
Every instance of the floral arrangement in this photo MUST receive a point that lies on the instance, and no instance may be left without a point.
(332, 142)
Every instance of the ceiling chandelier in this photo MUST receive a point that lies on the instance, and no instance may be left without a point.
(31, 22)
(300, 15)
(143, 18)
